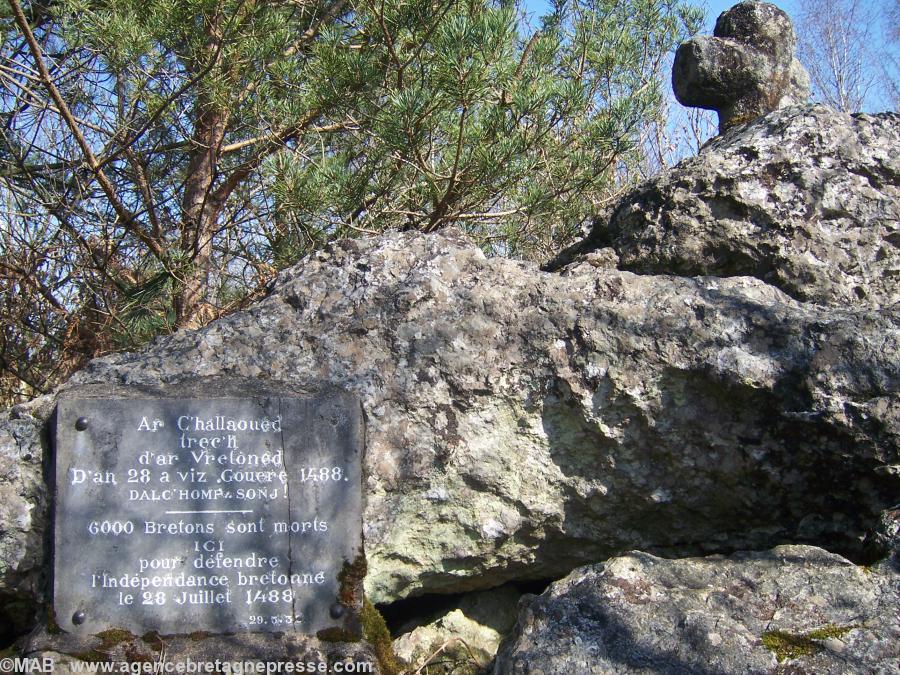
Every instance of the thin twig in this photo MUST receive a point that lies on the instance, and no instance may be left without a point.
(444, 646)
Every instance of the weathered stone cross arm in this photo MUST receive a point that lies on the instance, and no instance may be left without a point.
(746, 69)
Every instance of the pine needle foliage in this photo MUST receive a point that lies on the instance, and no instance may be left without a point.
(461, 115)
(161, 160)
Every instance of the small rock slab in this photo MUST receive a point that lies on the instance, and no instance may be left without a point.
(223, 507)
(794, 609)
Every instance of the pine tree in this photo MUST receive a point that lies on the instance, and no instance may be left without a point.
(161, 159)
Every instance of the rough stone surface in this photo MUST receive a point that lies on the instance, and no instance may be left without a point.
(884, 541)
(23, 517)
(705, 616)
(806, 199)
(452, 644)
(464, 640)
(746, 69)
(521, 424)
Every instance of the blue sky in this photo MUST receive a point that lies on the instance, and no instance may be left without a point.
(877, 100)
(714, 8)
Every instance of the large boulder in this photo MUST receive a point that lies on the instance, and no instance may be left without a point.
(793, 610)
(520, 424)
(805, 199)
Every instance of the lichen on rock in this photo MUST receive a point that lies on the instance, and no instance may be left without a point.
(806, 199)
(745, 613)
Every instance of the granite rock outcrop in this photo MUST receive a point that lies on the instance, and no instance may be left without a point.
(520, 423)
(794, 609)
(806, 199)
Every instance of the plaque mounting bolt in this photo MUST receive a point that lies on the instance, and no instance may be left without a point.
(78, 618)
(81, 423)
(337, 610)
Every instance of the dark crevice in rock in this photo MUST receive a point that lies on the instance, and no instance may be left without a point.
(404, 615)
(19, 615)
(8, 633)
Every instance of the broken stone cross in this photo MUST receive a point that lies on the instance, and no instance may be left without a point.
(745, 70)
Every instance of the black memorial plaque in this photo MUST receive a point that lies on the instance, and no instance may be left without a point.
(202, 514)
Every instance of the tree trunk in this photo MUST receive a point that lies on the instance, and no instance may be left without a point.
(199, 210)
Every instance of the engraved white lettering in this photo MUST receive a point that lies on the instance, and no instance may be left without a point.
(96, 477)
(196, 508)
(180, 527)
(297, 527)
(219, 561)
(150, 426)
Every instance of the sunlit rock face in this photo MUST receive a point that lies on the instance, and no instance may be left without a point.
(806, 199)
(794, 609)
(521, 423)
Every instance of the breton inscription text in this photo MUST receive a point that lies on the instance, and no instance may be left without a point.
(179, 515)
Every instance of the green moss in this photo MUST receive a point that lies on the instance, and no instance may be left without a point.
(336, 634)
(794, 646)
(787, 646)
(87, 656)
(830, 631)
(154, 639)
(377, 634)
(112, 637)
(109, 639)
(350, 579)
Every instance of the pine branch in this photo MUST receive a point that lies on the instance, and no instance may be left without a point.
(127, 218)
